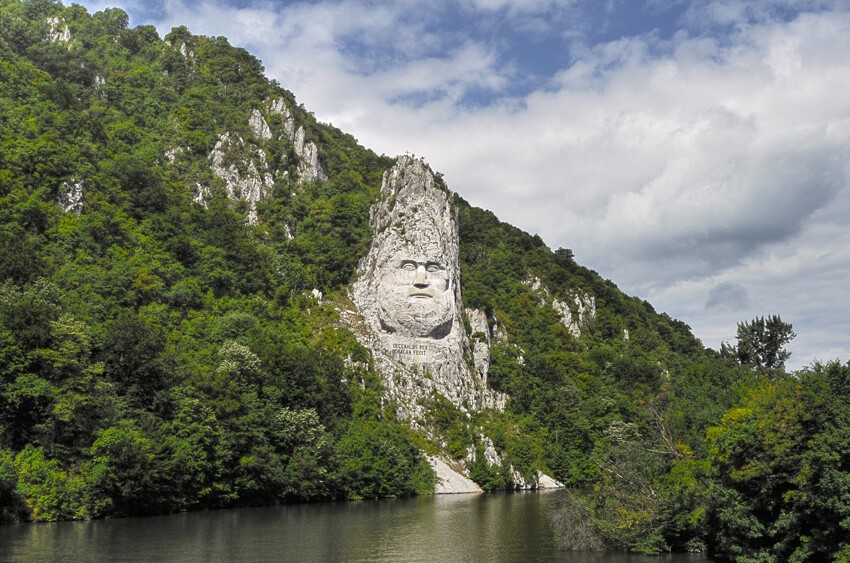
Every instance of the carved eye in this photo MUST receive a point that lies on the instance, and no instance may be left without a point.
(409, 266)
(433, 267)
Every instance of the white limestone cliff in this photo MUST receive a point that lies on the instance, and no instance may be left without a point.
(243, 166)
(575, 312)
(310, 168)
(494, 460)
(172, 154)
(253, 182)
(480, 337)
(58, 30)
(259, 126)
(187, 53)
(540, 481)
(450, 481)
(546, 482)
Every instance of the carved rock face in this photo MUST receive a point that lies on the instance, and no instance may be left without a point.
(408, 294)
(413, 294)
(407, 286)
(408, 301)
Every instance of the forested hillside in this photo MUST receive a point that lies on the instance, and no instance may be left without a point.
(162, 347)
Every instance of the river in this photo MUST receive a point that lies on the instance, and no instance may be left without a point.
(468, 528)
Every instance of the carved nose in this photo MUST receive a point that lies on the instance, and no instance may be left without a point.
(421, 280)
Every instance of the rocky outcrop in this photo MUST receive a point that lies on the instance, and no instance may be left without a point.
(259, 126)
(187, 53)
(310, 168)
(408, 294)
(242, 164)
(252, 181)
(171, 154)
(71, 196)
(541, 481)
(58, 30)
(577, 314)
(495, 461)
(546, 482)
(574, 312)
(201, 194)
(450, 481)
(184, 50)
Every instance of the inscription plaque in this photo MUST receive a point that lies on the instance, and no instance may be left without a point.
(409, 350)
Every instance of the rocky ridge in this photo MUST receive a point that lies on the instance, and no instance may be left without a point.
(310, 168)
(243, 165)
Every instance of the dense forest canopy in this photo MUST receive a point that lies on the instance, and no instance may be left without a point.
(159, 353)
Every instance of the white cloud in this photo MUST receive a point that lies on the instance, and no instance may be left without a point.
(520, 7)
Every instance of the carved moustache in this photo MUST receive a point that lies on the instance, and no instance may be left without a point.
(421, 293)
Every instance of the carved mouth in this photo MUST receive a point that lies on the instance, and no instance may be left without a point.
(421, 294)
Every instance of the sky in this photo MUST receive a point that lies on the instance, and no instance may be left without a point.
(696, 153)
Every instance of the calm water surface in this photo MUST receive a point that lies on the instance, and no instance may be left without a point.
(493, 527)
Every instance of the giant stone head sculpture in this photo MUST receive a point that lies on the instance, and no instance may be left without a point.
(414, 292)
(408, 281)
(408, 294)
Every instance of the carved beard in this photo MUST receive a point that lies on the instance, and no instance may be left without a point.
(422, 318)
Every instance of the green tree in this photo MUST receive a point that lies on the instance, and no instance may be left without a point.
(761, 343)
(781, 470)
(122, 477)
(132, 358)
(378, 460)
(12, 506)
(193, 452)
(50, 492)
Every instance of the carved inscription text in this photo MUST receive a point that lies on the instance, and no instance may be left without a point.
(409, 350)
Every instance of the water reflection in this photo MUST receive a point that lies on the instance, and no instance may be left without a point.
(495, 527)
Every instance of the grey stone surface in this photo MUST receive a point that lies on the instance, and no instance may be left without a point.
(408, 294)
(187, 53)
(577, 314)
(243, 166)
(71, 196)
(450, 481)
(172, 154)
(58, 30)
(480, 338)
(310, 168)
(253, 182)
(546, 482)
(259, 126)
(575, 311)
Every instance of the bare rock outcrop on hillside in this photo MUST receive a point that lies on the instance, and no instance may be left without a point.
(241, 162)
